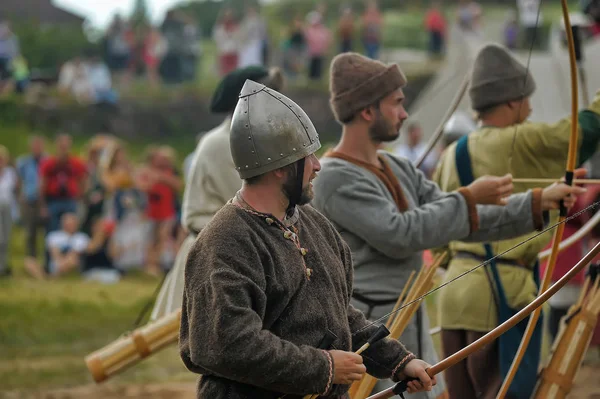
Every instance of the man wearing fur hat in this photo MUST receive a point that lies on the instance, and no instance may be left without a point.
(387, 210)
(212, 179)
(269, 278)
(504, 143)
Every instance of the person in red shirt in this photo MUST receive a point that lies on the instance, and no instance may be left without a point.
(436, 26)
(162, 183)
(62, 183)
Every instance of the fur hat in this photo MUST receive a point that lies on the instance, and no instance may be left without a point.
(356, 82)
(498, 78)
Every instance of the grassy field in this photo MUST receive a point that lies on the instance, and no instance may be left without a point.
(48, 327)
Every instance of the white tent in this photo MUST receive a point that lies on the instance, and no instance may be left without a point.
(550, 102)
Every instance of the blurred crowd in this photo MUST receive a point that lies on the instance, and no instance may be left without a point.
(100, 216)
(14, 71)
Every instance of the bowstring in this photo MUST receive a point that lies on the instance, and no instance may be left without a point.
(593, 205)
(533, 40)
(512, 148)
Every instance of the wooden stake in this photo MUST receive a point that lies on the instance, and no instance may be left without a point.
(422, 284)
(399, 301)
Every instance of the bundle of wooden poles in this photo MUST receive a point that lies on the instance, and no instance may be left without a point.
(133, 347)
(569, 348)
(398, 320)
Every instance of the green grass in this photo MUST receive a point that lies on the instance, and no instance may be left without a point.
(48, 327)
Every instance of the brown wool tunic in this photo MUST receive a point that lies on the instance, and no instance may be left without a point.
(251, 318)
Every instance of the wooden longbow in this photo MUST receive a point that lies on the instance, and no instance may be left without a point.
(571, 159)
(535, 305)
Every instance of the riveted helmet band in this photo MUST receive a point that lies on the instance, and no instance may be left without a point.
(269, 131)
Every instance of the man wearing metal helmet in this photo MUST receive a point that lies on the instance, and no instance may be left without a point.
(389, 212)
(212, 179)
(269, 279)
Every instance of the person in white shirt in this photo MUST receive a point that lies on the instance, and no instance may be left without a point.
(415, 147)
(530, 17)
(100, 81)
(66, 246)
(254, 32)
(8, 186)
(74, 79)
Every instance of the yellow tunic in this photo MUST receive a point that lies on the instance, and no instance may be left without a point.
(539, 151)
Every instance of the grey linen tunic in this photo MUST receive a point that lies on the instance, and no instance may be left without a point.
(251, 320)
(387, 244)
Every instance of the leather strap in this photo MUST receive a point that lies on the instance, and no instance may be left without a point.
(95, 366)
(590, 318)
(555, 378)
(140, 344)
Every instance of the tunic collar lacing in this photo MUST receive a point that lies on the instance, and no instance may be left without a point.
(288, 226)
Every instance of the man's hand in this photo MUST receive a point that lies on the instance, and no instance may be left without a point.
(347, 367)
(416, 369)
(492, 190)
(552, 195)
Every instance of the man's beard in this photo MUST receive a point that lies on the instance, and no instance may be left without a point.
(381, 130)
(289, 187)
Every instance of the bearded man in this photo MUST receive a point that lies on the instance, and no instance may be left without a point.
(389, 212)
(269, 278)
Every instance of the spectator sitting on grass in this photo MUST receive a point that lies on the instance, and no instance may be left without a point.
(65, 247)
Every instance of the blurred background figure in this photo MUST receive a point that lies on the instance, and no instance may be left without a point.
(227, 37)
(468, 16)
(253, 31)
(294, 49)
(318, 38)
(435, 24)
(414, 147)
(345, 30)
(8, 189)
(28, 166)
(530, 16)
(511, 30)
(372, 24)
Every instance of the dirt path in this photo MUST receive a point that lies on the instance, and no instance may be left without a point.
(587, 386)
(158, 391)
(587, 383)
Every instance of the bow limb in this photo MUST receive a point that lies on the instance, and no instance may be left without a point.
(440, 129)
(571, 159)
(488, 338)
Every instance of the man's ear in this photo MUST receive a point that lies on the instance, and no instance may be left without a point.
(513, 104)
(367, 114)
(280, 173)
